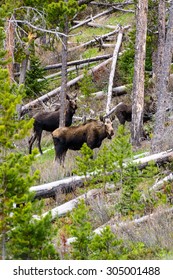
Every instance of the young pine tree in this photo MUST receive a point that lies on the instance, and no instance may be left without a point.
(81, 229)
(33, 86)
(21, 235)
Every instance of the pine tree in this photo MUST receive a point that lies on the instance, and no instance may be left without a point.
(81, 229)
(21, 236)
(33, 86)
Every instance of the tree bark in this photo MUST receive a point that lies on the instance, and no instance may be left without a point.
(165, 58)
(139, 68)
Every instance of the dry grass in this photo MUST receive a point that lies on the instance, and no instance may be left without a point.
(155, 232)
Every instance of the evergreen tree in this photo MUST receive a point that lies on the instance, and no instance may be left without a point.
(21, 235)
(81, 229)
(33, 86)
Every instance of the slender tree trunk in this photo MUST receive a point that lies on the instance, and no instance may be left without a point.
(10, 48)
(64, 76)
(139, 69)
(24, 66)
(112, 73)
(165, 50)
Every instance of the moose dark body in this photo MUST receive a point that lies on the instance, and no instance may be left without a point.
(49, 121)
(92, 133)
(124, 113)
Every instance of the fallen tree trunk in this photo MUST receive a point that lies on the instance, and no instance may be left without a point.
(92, 18)
(116, 91)
(52, 93)
(78, 62)
(70, 205)
(104, 4)
(95, 24)
(94, 41)
(159, 184)
(135, 222)
(158, 158)
(50, 189)
(60, 186)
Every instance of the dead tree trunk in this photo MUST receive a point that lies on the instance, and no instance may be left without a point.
(94, 41)
(165, 52)
(112, 73)
(10, 48)
(139, 68)
(23, 66)
(110, 10)
(64, 75)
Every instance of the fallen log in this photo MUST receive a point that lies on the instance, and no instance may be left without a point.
(110, 10)
(70, 205)
(99, 25)
(120, 226)
(60, 186)
(78, 62)
(104, 4)
(94, 41)
(158, 158)
(116, 91)
(160, 183)
(52, 93)
(50, 189)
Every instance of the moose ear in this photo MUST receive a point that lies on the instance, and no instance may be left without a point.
(71, 97)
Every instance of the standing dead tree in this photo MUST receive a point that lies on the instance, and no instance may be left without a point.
(165, 58)
(139, 69)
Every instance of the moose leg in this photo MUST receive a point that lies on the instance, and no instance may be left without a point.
(31, 142)
(62, 159)
(38, 136)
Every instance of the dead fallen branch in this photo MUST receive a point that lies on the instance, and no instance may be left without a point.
(159, 184)
(104, 4)
(95, 24)
(120, 226)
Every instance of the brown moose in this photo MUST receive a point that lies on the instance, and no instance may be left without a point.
(93, 132)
